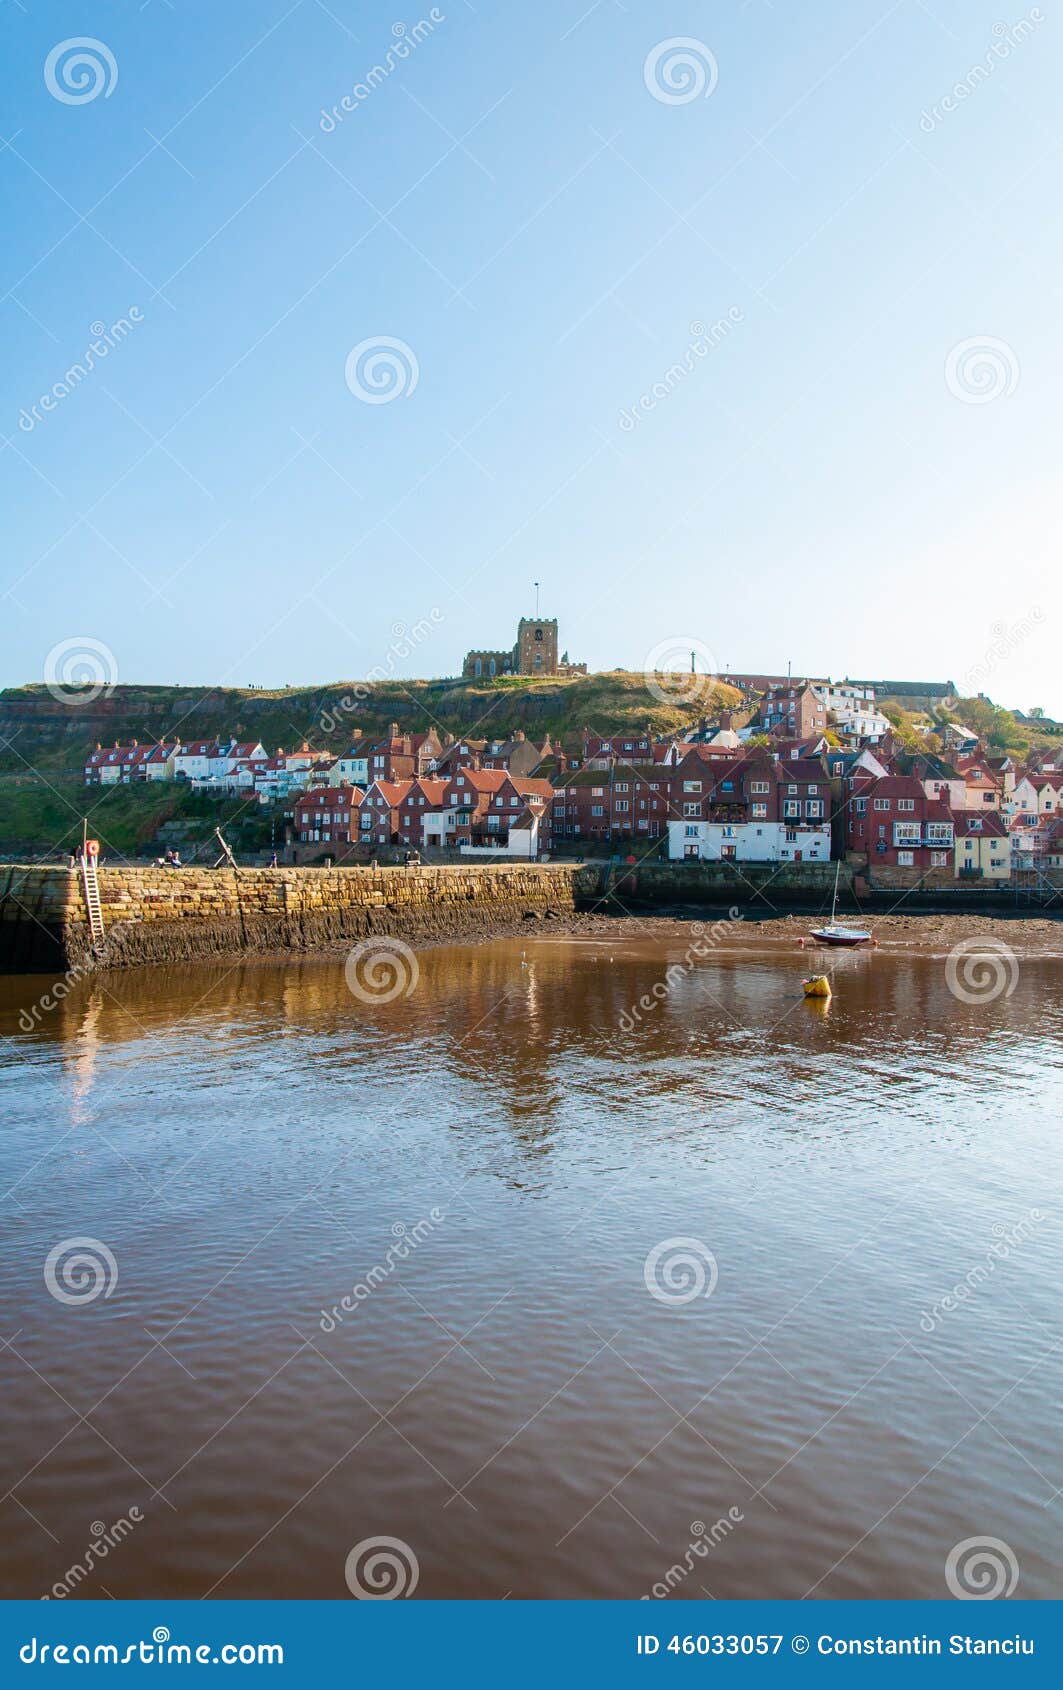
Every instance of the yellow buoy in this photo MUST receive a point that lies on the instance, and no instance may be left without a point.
(817, 986)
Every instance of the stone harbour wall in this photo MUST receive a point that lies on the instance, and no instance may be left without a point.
(178, 915)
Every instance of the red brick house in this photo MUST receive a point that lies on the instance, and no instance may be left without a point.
(403, 756)
(621, 801)
(893, 823)
(378, 813)
(794, 711)
(327, 814)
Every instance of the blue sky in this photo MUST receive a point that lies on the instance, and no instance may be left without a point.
(860, 476)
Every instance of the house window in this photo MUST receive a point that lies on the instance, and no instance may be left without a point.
(622, 804)
(759, 786)
(691, 809)
(760, 810)
(597, 810)
(938, 859)
(623, 786)
(906, 859)
(882, 803)
(691, 786)
(906, 803)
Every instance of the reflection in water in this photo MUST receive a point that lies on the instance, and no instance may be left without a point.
(507, 1396)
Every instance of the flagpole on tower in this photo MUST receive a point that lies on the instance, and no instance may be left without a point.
(536, 601)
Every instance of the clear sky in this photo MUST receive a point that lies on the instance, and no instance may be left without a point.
(549, 207)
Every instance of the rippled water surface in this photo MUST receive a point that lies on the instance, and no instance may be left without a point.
(509, 1397)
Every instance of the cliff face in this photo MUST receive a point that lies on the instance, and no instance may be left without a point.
(179, 915)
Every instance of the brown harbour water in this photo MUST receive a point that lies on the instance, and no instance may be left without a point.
(510, 1399)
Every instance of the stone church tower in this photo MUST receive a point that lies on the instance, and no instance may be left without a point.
(536, 650)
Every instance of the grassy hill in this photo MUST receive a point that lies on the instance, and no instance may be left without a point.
(39, 731)
(43, 743)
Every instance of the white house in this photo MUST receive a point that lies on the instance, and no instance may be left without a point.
(747, 842)
(352, 769)
(1038, 795)
(521, 838)
(861, 722)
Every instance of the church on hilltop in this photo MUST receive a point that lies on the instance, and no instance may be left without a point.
(535, 653)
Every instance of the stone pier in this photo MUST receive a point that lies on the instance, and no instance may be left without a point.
(180, 915)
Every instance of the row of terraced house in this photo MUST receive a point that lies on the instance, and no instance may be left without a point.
(783, 787)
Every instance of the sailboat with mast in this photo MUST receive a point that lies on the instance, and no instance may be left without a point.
(836, 932)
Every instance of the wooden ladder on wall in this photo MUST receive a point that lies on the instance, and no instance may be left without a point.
(90, 881)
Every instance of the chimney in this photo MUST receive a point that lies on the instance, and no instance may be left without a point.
(393, 730)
